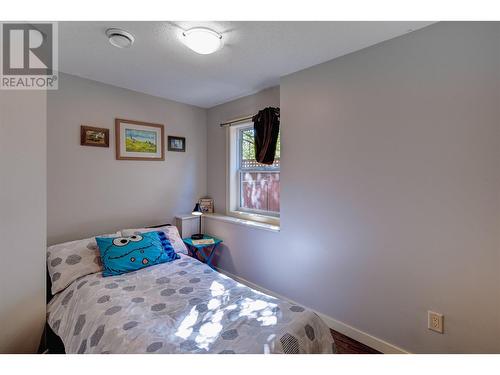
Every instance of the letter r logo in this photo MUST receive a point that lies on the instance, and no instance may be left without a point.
(27, 49)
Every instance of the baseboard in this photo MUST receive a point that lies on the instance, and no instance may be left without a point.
(354, 333)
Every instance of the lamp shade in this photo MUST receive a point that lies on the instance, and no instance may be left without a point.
(202, 40)
(197, 210)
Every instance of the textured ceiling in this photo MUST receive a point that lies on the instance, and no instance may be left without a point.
(255, 55)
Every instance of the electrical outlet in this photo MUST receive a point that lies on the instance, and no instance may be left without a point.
(435, 321)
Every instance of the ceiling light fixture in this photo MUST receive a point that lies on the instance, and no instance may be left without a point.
(202, 40)
(120, 38)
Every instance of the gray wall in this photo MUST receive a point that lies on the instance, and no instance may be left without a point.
(390, 190)
(89, 191)
(22, 219)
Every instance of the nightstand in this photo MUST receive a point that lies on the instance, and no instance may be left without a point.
(198, 251)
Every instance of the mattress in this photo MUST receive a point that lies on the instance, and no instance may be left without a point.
(180, 307)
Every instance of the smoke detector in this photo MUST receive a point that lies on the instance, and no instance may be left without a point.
(120, 38)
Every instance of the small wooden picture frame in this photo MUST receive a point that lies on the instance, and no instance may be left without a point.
(176, 143)
(95, 137)
(207, 205)
(137, 140)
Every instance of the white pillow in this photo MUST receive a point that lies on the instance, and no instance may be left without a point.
(170, 231)
(69, 261)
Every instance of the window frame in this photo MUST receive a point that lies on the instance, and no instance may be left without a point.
(234, 176)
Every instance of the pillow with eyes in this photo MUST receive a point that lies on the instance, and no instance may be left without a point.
(126, 254)
(170, 231)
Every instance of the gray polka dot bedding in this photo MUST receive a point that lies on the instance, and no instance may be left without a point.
(180, 307)
(68, 261)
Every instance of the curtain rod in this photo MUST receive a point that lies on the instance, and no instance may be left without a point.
(236, 121)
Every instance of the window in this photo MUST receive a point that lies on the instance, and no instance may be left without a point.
(254, 187)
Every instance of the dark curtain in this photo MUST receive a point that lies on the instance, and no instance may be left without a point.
(266, 125)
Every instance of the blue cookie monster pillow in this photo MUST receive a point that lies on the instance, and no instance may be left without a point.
(125, 254)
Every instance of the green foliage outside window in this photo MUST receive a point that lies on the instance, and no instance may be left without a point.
(248, 145)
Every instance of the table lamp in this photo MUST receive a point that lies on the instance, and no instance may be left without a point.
(197, 212)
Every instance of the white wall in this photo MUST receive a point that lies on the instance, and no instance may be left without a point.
(22, 219)
(89, 191)
(390, 190)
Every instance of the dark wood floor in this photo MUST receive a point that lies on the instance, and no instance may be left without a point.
(346, 345)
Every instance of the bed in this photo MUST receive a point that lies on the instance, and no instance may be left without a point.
(182, 306)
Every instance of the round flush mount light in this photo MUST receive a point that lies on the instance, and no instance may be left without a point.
(202, 40)
(120, 38)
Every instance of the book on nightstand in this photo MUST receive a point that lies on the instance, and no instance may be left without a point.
(205, 241)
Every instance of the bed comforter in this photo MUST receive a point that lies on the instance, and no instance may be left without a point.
(180, 307)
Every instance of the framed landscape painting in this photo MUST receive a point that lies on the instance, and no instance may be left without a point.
(92, 136)
(137, 140)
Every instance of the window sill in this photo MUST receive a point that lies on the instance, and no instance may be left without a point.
(248, 223)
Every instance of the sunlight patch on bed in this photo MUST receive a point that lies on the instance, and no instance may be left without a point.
(210, 326)
(186, 327)
(210, 331)
(213, 303)
(267, 320)
(217, 289)
(260, 310)
(249, 306)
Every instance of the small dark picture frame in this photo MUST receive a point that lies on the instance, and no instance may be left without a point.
(95, 137)
(176, 144)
